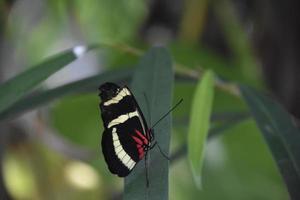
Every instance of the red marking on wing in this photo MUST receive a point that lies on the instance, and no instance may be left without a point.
(141, 151)
(145, 140)
(139, 146)
(140, 140)
(137, 140)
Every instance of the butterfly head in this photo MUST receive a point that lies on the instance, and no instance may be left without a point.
(108, 90)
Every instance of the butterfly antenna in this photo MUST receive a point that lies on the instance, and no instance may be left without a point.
(179, 102)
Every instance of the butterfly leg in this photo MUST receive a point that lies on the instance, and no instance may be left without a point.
(162, 153)
(153, 145)
(146, 169)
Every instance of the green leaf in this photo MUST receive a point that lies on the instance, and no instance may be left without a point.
(42, 97)
(14, 89)
(199, 124)
(281, 135)
(154, 78)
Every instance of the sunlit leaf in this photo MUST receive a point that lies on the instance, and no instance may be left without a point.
(199, 124)
(154, 78)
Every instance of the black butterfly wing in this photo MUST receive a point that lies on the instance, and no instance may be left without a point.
(122, 119)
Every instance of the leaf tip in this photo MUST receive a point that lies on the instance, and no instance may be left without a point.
(197, 180)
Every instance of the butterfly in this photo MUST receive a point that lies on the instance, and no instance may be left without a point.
(126, 138)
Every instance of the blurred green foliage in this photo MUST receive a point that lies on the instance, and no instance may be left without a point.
(78, 120)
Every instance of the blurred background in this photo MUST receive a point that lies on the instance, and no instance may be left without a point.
(54, 152)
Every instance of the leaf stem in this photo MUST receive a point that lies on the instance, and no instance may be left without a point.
(181, 69)
(228, 87)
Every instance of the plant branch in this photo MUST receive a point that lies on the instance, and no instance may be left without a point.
(181, 69)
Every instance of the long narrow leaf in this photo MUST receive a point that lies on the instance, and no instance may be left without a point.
(42, 97)
(154, 78)
(281, 135)
(199, 124)
(15, 88)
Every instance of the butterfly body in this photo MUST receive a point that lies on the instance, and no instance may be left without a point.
(126, 138)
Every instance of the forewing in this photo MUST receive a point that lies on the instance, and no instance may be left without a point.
(142, 118)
